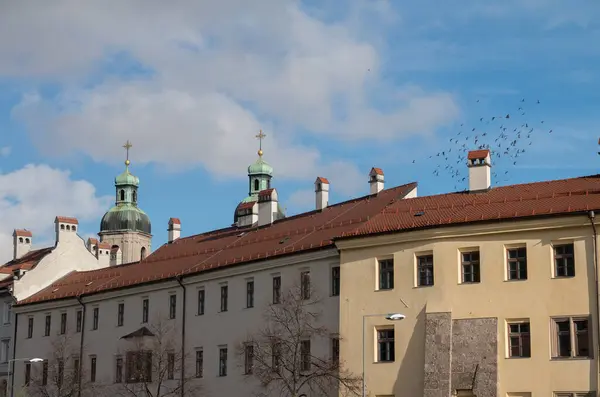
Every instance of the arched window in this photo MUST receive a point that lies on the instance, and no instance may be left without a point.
(143, 253)
(20, 239)
(74, 228)
(122, 193)
(68, 227)
(268, 183)
(62, 227)
(134, 196)
(256, 184)
(27, 241)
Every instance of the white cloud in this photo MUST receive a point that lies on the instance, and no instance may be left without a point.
(5, 151)
(219, 71)
(32, 196)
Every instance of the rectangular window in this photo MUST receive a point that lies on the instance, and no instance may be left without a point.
(27, 374)
(575, 394)
(172, 306)
(171, 366)
(276, 290)
(145, 310)
(224, 297)
(63, 323)
(79, 320)
(248, 358)
(305, 284)
(96, 318)
(5, 350)
(275, 355)
(386, 351)
(30, 327)
(76, 369)
(564, 260)
(335, 281)
(120, 314)
(470, 267)
(223, 361)
(92, 369)
(199, 363)
(201, 298)
(138, 366)
(386, 274)
(60, 375)
(519, 339)
(48, 325)
(45, 373)
(250, 293)
(7, 312)
(335, 350)
(305, 357)
(517, 263)
(119, 370)
(425, 271)
(571, 338)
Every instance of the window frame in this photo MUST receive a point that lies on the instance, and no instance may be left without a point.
(95, 318)
(199, 363)
(425, 270)
(336, 280)
(170, 366)
(524, 338)
(564, 257)
(248, 358)
(305, 355)
(30, 322)
(249, 293)
(119, 369)
(222, 361)
(520, 261)
(93, 368)
(573, 339)
(276, 290)
(63, 323)
(79, 321)
(390, 342)
(172, 306)
(305, 285)
(473, 264)
(224, 298)
(120, 314)
(386, 274)
(145, 310)
(47, 324)
(201, 301)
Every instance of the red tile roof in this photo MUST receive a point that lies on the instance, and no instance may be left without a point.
(227, 247)
(66, 219)
(500, 203)
(104, 245)
(22, 233)
(27, 261)
(174, 221)
(376, 170)
(93, 241)
(478, 154)
(322, 180)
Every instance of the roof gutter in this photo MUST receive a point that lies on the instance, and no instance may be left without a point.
(592, 217)
(83, 308)
(179, 279)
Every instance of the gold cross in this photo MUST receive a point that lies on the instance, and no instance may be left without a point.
(260, 137)
(127, 146)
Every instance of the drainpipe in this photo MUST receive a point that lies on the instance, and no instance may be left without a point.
(592, 217)
(81, 344)
(12, 367)
(182, 386)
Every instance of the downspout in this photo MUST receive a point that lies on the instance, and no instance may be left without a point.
(12, 367)
(179, 278)
(81, 344)
(592, 217)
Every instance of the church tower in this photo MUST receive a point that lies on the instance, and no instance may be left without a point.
(125, 226)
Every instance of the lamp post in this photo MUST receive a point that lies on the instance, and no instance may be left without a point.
(389, 317)
(11, 369)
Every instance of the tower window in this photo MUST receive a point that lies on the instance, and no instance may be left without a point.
(143, 253)
(20, 239)
(27, 240)
(68, 227)
(122, 194)
(135, 197)
(62, 227)
(256, 187)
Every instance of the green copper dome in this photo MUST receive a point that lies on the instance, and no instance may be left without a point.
(260, 167)
(126, 217)
(126, 178)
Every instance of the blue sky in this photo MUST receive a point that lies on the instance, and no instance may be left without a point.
(337, 86)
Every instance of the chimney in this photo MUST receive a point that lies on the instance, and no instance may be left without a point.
(322, 193)
(376, 180)
(267, 206)
(174, 229)
(247, 214)
(66, 228)
(103, 254)
(21, 242)
(479, 163)
(92, 246)
(116, 256)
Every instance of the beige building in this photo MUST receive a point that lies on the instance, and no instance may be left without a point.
(497, 286)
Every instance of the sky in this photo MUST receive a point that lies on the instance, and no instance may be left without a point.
(337, 86)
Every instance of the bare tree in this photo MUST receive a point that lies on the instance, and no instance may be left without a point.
(280, 357)
(61, 374)
(152, 361)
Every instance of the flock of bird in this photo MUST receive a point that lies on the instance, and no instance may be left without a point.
(508, 136)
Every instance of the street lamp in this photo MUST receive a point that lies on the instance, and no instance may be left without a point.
(11, 369)
(389, 317)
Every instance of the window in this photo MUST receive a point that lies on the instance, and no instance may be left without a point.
(60, 373)
(92, 369)
(63, 323)
(30, 327)
(120, 314)
(564, 260)
(256, 187)
(76, 369)
(248, 359)
(276, 290)
(201, 298)
(96, 318)
(171, 366)
(571, 338)
(122, 193)
(7, 312)
(517, 263)
(275, 355)
(119, 370)
(305, 358)
(385, 345)
(224, 295)
(575, 394)
(138, 366)
(134, 194)
(335, 281)
(425, 271)
(386, 274)
(335, 350)
(519, 339)
(27, 373)
(249, 293)
(79, 320)
(305, 284)
(172, 306)
(223, 361)
(470, 267)
(45, 373)
(5, 350)
(145, 310)
(199, 363)
(143, 253)
(48, 325)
